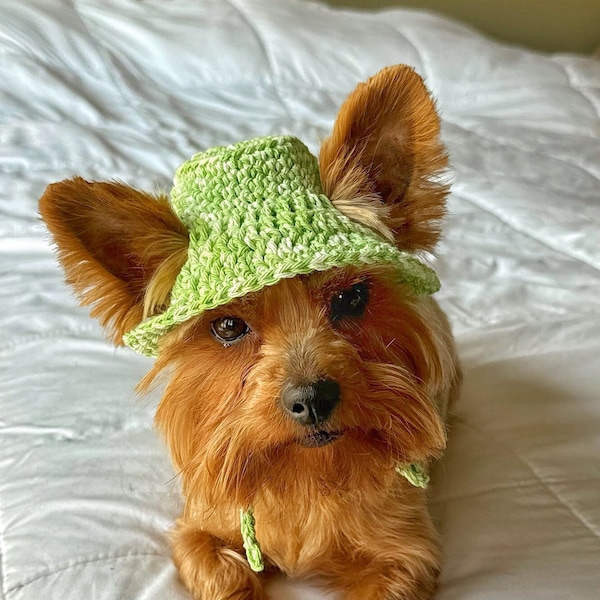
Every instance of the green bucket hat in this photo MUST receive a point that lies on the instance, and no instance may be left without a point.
(256, 214)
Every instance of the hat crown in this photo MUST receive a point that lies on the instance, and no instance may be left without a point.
(261, 181)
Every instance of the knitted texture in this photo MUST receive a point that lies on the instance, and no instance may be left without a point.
(415, 474)
(251, 545)
(256, 214)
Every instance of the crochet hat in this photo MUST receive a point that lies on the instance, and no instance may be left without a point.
(256, 214)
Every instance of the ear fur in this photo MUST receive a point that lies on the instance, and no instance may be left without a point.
(121, 249)
(384, 161)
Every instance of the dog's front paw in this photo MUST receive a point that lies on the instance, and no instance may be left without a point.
(407, 569)
(391, 582)
(212, 571)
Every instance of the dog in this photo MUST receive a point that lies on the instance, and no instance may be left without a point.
(308, 369)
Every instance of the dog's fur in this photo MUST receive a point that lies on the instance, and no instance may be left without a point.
(339, 511)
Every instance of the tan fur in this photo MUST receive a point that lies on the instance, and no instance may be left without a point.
(174, 249)
(391, 366)
(339, 511)
(349, 197)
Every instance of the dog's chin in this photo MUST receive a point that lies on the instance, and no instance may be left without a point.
(319, 438)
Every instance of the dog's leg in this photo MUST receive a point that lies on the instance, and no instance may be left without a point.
(398, 559)
(211, 570)
(389, 582)
(393, 584)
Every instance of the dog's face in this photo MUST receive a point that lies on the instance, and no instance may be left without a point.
(326, 375)
(323, 378)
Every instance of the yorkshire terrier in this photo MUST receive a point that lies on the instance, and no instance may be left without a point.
(309, 370)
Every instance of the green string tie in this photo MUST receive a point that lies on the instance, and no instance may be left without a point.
(251, 545)
(415, 473)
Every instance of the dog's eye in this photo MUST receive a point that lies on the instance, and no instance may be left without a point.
(350, 303)
(228, 329)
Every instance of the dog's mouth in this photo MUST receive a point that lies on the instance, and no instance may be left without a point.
(316, 439)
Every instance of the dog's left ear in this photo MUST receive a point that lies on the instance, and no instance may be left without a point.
(384, 163)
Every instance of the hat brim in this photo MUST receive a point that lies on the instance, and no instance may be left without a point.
(187, 304)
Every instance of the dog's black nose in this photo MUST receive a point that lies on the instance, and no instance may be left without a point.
(311, 403)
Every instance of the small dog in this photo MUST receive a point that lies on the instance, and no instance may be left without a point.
(307, 363)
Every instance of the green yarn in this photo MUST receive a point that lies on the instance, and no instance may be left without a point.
(415, 474)
(251, 545)
(256, 214)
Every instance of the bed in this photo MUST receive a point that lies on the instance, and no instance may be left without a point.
(130, 89)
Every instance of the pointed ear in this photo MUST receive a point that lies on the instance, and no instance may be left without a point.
(383, 164)
(121, 249)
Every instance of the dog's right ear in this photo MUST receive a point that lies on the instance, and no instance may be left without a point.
(121, 249)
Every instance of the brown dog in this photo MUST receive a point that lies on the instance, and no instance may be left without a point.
(299, 399)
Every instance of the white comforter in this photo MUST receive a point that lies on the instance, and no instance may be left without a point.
(129, 90)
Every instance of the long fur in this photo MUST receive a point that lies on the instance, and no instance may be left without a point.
(233, 447)
(339, 511)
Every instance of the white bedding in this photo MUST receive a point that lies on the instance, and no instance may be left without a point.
(125, 89)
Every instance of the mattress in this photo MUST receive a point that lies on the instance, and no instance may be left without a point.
(130, 89)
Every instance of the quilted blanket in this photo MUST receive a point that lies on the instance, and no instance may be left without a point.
(130, 89)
